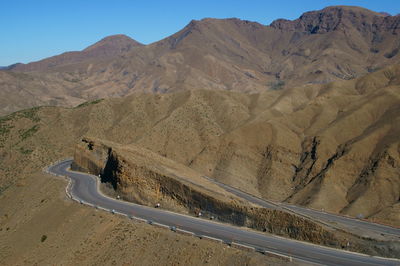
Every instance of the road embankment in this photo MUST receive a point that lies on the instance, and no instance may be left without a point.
(143, 177)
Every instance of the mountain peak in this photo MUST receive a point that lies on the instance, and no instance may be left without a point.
(329, 19)
(345, 8)
(118, 42)
(213, 29)
(107, 47)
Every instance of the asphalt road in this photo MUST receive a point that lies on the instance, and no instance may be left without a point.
(329, 218)
(85, 188)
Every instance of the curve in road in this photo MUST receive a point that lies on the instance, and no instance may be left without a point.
(85, 188)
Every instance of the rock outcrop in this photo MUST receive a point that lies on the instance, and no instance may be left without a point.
(141, 176)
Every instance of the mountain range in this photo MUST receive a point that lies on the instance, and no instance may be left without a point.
(312, 94)
(335, 43)
(303, 111)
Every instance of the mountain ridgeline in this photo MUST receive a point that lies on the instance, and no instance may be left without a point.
(336, 43)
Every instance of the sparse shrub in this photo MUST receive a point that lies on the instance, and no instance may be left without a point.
(373, 69)
(276, 85)
(25, 151)
(29, 133)
(30, 114)
(74, 80)
(374, 50)
(392, 53)
(89, 103)
(4, 129)
(43, 238)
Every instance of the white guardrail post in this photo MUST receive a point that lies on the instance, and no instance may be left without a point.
(173, 228)
(46, 169)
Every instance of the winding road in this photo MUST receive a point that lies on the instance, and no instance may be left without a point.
(319, 216)
(85, 188)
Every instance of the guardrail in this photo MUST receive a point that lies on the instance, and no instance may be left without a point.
(160, 225)
(69, 185)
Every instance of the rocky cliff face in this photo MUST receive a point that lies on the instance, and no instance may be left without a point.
(90, 157)
(339, 18)
(151, 179)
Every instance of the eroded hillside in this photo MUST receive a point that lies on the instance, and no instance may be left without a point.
(331, 146)
(138, 175)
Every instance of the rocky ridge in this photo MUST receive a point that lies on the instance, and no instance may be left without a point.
(335, 43)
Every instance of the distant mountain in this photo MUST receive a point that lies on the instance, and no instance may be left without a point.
(384, 13)
(9, 66)
(108, 47)
(335, 43)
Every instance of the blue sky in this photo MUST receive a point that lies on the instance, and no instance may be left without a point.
(34, 29)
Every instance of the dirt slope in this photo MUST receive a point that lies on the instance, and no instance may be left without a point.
(75, 234)
(336, 43)
(331, 146)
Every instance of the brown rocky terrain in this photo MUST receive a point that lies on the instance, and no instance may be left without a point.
(108, 47)
(304, 111)
(331, 146)
(19, 90)
(336, 43)
(42, 227)
(147, 178)
(141, 176)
